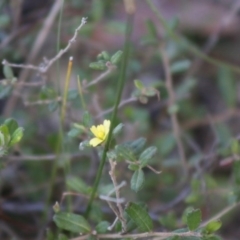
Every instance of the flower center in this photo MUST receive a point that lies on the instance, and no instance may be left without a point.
(101, 134)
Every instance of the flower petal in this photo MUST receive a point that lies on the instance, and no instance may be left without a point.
(94, 130)
(95, 141)
(106, 125)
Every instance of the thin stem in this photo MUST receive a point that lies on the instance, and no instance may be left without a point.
(174, 119)
(65, 94)
(58, 46)
(220, 214)
(142, 235)
(120, 86)
(80, 91)
(60, 146)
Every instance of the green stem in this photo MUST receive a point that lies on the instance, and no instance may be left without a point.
(60, 133)
(120, 86)
(80, 91)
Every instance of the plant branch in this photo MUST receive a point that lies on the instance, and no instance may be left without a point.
(121, 82)
(173, 115)
(141, 235)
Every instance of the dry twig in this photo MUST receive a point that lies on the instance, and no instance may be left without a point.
(172, 101)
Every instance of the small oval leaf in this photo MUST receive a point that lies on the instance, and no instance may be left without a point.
(147, 155)
(102, 227)
(78, 185)
(8, 72)
(137, 180)
(11, 124)
(212, 227)
(98, 65)
(194, 218)
(116, 57)
(16, 136)
(140, 216)
(71, 222)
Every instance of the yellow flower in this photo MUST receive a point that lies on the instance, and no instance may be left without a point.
(100, 132)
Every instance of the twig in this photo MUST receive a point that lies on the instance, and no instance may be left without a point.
(110, 228)
(154, 170)
(49, 157)
(110, 69)
(43, 102)
(9, 82)
(122, 184)
(110, 199)
(35, 49)
(123, 103)
(141, 235)
(173, 115)
(117, 192)
(220, 214)
(42, 68)
(72, 194)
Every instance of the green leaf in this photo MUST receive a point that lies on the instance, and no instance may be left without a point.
(71, 222)
(72, 94)
(98, 65)
(78, 185)
(166, 143)
(147, 155)
(212, 227)
(11, 124)
(74, 132)
(53, 106)
(4, 91)
(133, 167)
(235, 148)
(194, 197)
(152, 29)
(137, 180)
(5, 136)
(227, 85)
(102, 227)
(186, 87)
(112, 154)
(137, 145)
(48, 93)
(180, 66)
(87, 119)
(138, 84)
(16, 136)
(125, 152)
(150, 92)
(169, 220)
(131, 225)
(173, 109)
(62, 237)
(194, 219)
(118, 129)
(50, 235)
(7, 71)
(116, 57)
(236, 172)
(105, 56)
(140, 216)
(212, 237)
(2, 140)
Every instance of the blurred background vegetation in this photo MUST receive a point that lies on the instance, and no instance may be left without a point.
(201, 42)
